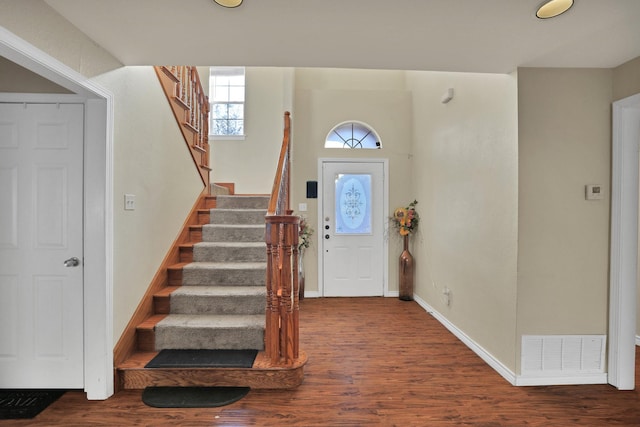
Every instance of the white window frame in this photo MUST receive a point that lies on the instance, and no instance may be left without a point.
(214, 72)
(362, 126)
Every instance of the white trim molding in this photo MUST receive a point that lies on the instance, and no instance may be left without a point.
(489, 359)
(98, 207)
(624, 243)
(505, 372)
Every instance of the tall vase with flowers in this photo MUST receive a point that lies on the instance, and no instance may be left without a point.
(304, 241)
(405, 220)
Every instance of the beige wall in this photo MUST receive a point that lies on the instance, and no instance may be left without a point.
(40, 25)
(152, 162)
(564, 120)
(327, 97)
(465, 179)
(15, 79)
(251, 163)
(626, 79)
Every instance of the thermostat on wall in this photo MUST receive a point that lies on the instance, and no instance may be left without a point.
(593, 192)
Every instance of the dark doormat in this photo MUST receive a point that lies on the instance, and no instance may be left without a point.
(25, 403)
(192, 397)
(203, 359)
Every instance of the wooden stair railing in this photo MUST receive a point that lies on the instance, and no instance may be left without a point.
(282, 228)
(190, 106)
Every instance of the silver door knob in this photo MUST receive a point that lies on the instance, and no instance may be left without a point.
(72, 262)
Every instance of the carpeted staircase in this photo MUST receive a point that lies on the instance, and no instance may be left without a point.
(221, 303)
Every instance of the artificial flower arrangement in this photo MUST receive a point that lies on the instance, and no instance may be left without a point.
(304, 235)
(406, 219)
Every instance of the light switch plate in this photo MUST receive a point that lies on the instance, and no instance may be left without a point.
(302, 207)
(593, 192)
(129, 202)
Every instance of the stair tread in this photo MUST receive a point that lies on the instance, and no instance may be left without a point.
(178, 265)
(215, 290)
(151, 321)
(234, 225)
(213, 321)
(223, 244)
(166, 291)
(239, 210)
(225, 265)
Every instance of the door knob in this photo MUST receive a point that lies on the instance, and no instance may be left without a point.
(72, 262)
(326, 236)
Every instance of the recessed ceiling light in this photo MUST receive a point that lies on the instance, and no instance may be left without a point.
(229, 3)
(553, 8)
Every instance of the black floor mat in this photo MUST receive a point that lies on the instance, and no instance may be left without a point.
(25, 403)
(203, 359)
(192, 397)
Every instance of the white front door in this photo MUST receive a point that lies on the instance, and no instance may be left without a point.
(41, 223)
(351, 237)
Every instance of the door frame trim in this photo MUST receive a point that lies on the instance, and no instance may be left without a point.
(623, 243)
(98, 206)
(385, 214)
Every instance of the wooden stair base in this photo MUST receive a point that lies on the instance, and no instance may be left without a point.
(132, 374)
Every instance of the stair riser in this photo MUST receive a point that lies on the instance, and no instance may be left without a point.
(221, 277)
(211, 233)
(245, 304)
(208, 338)
(204, 216)
(222, 216)
(229, 254)
(242, 202)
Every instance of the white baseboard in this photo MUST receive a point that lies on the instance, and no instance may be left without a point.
(316, 294)
(311, 294)
(579, 379)
(505, 372)
(637, 339)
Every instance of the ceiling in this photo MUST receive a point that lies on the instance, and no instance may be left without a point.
(491, 36)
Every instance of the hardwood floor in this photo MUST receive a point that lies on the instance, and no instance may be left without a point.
(373, 361)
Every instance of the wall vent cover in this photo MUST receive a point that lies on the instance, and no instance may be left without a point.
(562, 354)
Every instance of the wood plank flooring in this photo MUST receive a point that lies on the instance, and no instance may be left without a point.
(373, 361)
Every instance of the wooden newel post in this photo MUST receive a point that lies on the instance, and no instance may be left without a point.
(282, 322)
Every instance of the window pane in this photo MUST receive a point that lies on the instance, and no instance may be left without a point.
(236, 80)
(353, 204)
(236, 111)
(352, 135)
(227, 100)
(228, 127)
(221, 94)
(236, 93)
(223, 80)
(219, 111)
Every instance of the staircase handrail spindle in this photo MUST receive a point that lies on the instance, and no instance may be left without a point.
(190, 105)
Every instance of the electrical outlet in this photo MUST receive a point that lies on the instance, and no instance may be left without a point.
(129, 202)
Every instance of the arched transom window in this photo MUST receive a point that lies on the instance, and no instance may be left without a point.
(353, 135)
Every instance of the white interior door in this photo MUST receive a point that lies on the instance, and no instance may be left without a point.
(352, 229)
(41, 223)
